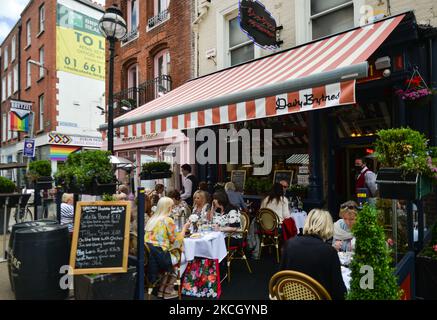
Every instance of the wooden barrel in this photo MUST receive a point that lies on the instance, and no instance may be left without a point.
(19, 226)
(39, 254)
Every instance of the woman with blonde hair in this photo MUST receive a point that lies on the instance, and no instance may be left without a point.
(343, 239)
(160, 232)
(312, 255)
(200, 204)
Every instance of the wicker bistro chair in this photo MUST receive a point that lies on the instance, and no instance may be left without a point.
(268, 223)
(237, 252)
(293, 285)
(148, 285)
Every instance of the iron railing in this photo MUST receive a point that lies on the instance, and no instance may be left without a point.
(158, 19)
(131, 98)
(130, 36)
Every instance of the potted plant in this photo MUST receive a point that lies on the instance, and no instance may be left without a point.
(88, 172)
(406, 172)
(39, 175)
(297, 190)
(7, 192)
(371, 250)
(426, 269)
(155, 170)
(417, 92)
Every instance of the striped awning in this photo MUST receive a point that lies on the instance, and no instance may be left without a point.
(301, 159)
(188, 105)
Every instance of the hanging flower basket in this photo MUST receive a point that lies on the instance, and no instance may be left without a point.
(417, 93)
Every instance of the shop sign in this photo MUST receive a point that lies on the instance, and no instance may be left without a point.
(303, 179)
(303, 170)
(19, 115)
(140, 138)
(29, 148)
(69, 140)
(308, 101)
(258, 24)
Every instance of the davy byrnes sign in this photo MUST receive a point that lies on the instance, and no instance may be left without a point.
(258, 24)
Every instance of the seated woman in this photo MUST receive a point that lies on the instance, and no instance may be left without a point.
(180, 208)
(343, 239)
(226, 217)
(200, 204)
(235, 197)
(312, 255)
(67, 211)
(160, 231)
(276, 202)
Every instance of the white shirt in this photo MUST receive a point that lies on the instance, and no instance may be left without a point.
(370, 178)
(280, 208)
(188, 186)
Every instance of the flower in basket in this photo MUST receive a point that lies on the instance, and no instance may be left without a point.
(416, 88)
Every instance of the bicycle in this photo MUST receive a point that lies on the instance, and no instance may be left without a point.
(23, 215)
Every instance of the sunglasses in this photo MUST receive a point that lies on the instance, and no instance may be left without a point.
(349, 207)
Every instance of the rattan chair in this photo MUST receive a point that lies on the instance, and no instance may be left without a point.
(237, 252)
(293, 285)
(268, 222)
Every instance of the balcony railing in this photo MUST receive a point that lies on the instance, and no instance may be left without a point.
(155, 88)
(130, 36)
(131, 98)
(158, 19)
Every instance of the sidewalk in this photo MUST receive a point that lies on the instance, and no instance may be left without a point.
(5, 287)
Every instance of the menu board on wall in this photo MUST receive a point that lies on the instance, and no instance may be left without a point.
(100, 237)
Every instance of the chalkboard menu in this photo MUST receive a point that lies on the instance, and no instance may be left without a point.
(286, 175)
(238, 177)
(100, 237)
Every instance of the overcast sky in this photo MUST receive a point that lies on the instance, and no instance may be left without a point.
(10, 13)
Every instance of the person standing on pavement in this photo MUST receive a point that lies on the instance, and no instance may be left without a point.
(67, 211)
(189, 184)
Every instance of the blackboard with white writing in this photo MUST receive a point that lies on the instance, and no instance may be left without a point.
(100, 237)
(238, 177)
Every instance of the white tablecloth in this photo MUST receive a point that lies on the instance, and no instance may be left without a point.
(212, 246)
(299, 218)
(346, 274)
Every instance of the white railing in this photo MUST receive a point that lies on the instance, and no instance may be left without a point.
(158, 19)
(130, 36)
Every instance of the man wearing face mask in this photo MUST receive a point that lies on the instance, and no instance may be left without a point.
(365, 178)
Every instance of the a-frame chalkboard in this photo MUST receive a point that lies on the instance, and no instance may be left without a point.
(100, 241)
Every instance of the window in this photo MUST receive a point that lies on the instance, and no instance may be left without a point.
(29, 74)
(4, 127)
(162, 70)
(28, 33)
(9, 84)
(42, 18)
(5, 58)
(41, 61)
(8, 131)
(15, 78)
(161, 6)
(132, 76)
(41, 112)
(13, 46)
(241, 48)
(331, 16)
(3, 89)
(133, 18)
(161, 13)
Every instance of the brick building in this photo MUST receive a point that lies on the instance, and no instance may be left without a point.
(35, 58)
(155, 57)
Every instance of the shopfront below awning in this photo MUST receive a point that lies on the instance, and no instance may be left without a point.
(317, 75)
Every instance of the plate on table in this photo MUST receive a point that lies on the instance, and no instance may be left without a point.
(196, 236)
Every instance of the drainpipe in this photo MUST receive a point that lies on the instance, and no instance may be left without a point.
(19, 65)
(433, 80)
(195, 25)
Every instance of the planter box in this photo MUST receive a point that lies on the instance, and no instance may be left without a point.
(155, 175)
(393, 184)
(96, 188)
(109, 286)
(426, 278)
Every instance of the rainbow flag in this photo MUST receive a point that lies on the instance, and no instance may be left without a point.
(17, 123)
(60, 153)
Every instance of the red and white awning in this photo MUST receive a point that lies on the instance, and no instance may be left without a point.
(343, 50)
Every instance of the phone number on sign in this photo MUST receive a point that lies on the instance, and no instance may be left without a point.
(231, 309)
(72, 62)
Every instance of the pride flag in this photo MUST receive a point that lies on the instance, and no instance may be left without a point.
(60, 153)
(17, 123)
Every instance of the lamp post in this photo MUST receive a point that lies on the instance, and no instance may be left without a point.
(113, 27)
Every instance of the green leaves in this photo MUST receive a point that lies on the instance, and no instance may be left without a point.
(371, 250)
(156, 166)
(6, 185)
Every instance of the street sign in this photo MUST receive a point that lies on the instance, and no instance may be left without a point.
(29, 148)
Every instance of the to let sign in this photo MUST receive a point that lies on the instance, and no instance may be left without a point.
(259, 24)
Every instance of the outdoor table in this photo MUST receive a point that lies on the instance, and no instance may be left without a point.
(299, 218)
(345, 260)
(202, 273)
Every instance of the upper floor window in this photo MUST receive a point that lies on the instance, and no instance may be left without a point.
(28, 33)
(241, 48)
(42, 18)
(9, 84)
(41, 112)
(4, 88)
(16, 78)
(41, 61)
(162, 70)
(132, 20)
(4, 127)
(13, 46)
(28, 73)
(330, 16)
(5, 57)
(161, 13)
(132, 76)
